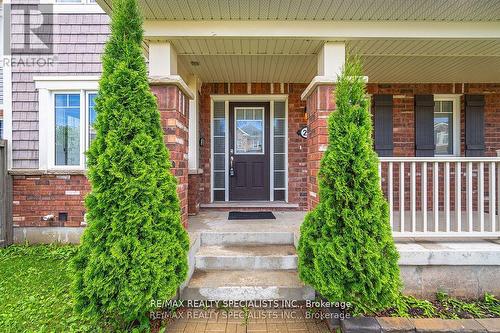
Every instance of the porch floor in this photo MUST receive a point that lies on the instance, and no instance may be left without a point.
(217, 221)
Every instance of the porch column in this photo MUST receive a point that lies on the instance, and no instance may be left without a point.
(320, 98)
(173, 96)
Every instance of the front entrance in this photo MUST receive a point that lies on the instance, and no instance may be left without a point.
(249, 151)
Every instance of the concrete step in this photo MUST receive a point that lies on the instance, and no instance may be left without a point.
(246, 285)
(258, 257)
(247, 238)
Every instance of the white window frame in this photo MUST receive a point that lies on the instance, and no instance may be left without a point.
(455, 98)
(82, 6)
(48, 87)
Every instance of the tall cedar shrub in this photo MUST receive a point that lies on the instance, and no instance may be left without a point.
(346, 249)
(134, 249)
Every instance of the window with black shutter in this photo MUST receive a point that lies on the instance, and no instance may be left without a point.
(382, 107)
(424, 125)
(474, 125)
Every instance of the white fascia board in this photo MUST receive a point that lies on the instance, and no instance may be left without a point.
(67, 82)
(332, 30)
(249, 98)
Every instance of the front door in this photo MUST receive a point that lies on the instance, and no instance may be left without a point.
(249, 151)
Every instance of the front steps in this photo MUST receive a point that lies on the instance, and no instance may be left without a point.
(246, 266)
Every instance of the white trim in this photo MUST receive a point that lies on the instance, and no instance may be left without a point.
(83, 7)
(248, 98)
(226, 162)
(271, 151)
(175, 80)
(317, 81)
(211, 161)
(67, 82)
(339, 30)
(286, 150)
(455, 98)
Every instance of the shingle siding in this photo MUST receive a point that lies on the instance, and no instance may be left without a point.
(77, 45)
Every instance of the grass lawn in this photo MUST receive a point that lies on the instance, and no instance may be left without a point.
(35, 290)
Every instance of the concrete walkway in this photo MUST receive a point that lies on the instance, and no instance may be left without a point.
(233, 321)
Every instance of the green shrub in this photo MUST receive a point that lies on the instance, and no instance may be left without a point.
(346, 249)
(134, 249)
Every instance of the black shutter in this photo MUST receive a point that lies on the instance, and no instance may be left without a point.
(474, 125)
(424, 125)
(382, 107)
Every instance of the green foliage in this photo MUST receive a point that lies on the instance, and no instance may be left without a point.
(34, 290)
(446, 307)
(409, 306)
(346, 249)
(134, 249)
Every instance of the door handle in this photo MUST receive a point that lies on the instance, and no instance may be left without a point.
(231, 168)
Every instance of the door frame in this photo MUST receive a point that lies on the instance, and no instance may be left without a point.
(248, 98)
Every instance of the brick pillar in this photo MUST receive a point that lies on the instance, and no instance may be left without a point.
(319, 105)
(173, 106)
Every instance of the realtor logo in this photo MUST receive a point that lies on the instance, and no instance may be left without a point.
(28, 29)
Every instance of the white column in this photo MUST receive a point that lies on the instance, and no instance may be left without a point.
(162, 59)
(194, 126)
(331, 59)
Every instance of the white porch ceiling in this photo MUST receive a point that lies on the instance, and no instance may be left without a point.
(294, 60)
(334, 10)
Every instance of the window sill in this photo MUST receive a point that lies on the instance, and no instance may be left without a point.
(36, 172)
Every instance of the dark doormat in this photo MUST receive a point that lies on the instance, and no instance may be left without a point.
(251, 216)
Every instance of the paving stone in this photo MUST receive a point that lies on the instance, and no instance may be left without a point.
(394, 324)
(435, 325)
(276, 328)
(360, 325)
(256, 327)
(491, 324)
(215, 327)
(190, 327)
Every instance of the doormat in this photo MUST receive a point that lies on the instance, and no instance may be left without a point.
(251, 216)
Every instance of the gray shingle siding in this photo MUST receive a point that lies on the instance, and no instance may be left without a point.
(77, 44)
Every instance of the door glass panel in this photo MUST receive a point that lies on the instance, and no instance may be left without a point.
(249, 131)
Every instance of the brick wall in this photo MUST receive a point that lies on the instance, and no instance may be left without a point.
(35, 196)
(195, 193)
(39, 195)
(320, 104)
(297, 146)
(403, 115)
(174, 116)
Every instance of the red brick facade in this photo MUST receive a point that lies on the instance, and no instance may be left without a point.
(35, 196)
(320, 104)
(38, 195)
(174, 116)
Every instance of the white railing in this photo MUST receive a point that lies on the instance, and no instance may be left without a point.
(442, 197)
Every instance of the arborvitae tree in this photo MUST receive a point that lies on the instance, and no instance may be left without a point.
(134, 249)
(346, 249)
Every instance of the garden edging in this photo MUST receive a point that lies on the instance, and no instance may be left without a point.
(434, 325)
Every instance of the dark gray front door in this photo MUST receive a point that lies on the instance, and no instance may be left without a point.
(249, 151)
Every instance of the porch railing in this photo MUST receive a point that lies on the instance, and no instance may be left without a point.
(442, 197)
